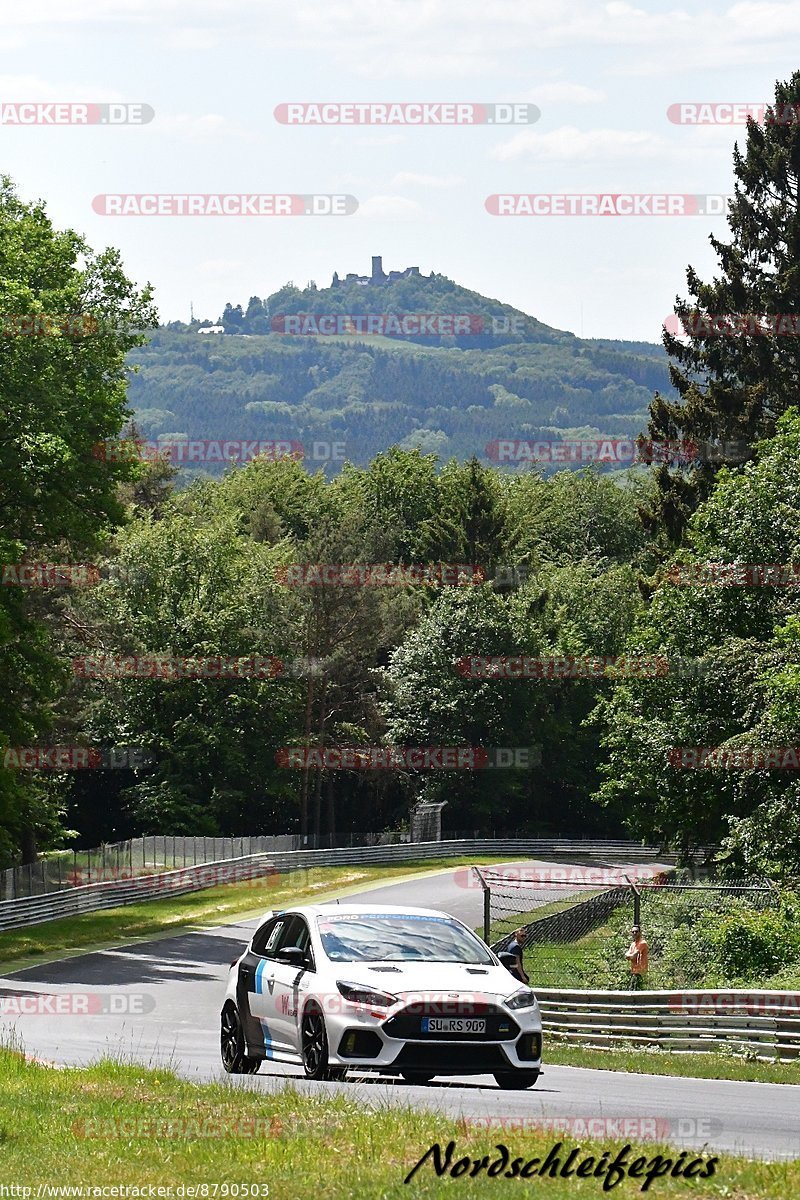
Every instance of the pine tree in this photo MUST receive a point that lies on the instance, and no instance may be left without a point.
(470, 526)
(732, 386)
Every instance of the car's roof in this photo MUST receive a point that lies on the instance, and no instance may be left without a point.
(332, 909)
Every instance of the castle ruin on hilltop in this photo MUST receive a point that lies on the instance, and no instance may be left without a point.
(378, 275)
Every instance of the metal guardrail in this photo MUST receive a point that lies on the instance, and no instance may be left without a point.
(766, 1023)
(92, 897)
(67, 902)
(160, 852)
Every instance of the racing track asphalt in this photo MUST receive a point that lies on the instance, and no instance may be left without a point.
(182, 980)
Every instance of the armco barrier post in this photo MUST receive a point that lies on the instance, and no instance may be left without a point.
(487, 907)
(637, 903)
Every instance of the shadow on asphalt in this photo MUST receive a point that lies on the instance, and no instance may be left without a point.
(392, 1081)
(162, 961)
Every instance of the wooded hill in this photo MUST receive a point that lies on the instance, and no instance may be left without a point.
(510, 376)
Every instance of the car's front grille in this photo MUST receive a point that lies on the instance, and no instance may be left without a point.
(446, 1060)
(407, 1024)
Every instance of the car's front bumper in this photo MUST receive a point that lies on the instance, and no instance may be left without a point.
(360, 1039)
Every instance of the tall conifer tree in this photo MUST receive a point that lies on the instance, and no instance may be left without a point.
(732, 386)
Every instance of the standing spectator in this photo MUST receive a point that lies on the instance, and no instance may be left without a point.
(638, 954)
(515, 947)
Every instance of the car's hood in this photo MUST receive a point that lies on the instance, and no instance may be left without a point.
(427, 979)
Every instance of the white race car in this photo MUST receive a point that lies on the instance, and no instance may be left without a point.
(401, 991)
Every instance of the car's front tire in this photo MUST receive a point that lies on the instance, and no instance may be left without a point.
(231, 1044)
(314, 1048)
(516, 1080)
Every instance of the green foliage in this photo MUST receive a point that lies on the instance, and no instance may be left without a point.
(61, 394)
(571, 559)
(735, 671)
(702, 939)
(734, 388)
(449, 396)
(195, 575)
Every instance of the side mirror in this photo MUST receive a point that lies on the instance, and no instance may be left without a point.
(293, 956)
(509, 961)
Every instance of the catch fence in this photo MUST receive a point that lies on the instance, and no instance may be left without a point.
(578, 920)
(160, 853)
(117, 886)
(155, 854)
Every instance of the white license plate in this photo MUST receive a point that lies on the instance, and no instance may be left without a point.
(452, 1025)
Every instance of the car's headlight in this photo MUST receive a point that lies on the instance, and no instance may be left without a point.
(359, 993)
(524, 998)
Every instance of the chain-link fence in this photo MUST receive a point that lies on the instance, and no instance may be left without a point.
(578, 923)
(147, 855)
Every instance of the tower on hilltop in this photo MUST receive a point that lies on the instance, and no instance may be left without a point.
(378, 275)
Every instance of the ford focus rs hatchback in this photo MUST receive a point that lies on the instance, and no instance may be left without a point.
(400, 991)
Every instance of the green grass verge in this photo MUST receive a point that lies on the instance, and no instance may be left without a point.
(554, 964)
(212, 906)
(502, 926)
(637, 1061)
(116, 1125)
(565, 964)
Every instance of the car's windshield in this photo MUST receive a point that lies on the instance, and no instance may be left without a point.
(386, 937)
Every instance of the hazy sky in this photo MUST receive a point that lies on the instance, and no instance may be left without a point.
(603, 76)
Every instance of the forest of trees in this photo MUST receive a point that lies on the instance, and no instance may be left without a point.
(371, 392)
(574, 565)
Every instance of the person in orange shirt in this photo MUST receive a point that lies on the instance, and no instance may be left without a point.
(638, 953)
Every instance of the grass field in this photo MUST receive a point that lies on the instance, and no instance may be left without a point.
(565, 964)
(504, 925)
(637, 1061)
(115, 1125)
